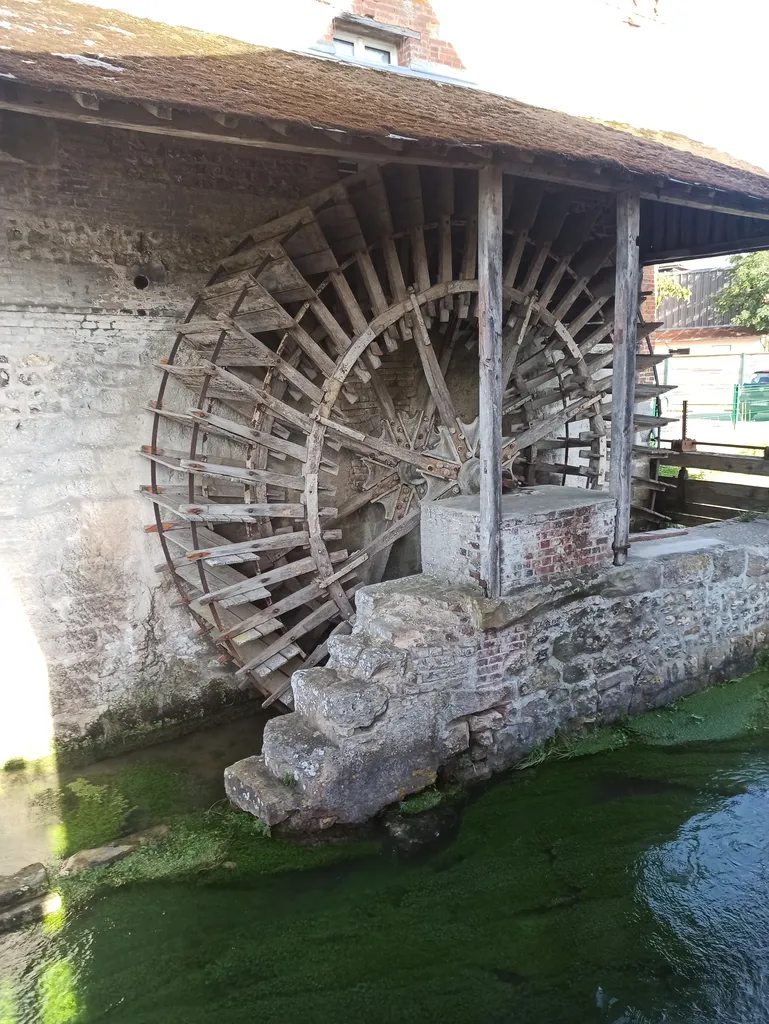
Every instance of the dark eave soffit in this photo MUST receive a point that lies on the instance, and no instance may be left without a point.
(677, 219)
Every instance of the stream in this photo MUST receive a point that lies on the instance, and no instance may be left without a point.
(627, 886)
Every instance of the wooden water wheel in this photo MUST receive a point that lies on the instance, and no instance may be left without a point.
(324, 385)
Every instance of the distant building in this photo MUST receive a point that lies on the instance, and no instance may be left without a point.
(695, 327)
(396, 33)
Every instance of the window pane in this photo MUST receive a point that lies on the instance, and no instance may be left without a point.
(344, 48)
(377, 56)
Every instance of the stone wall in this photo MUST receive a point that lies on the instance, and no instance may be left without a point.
(435, 675)
(88, 640)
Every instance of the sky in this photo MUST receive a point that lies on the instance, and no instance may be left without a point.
(695, 67)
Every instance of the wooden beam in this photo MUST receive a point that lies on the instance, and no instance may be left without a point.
(724, 247)
(240, 130)
(627, 283)
(750, 465)
(160, 110)
(490, 355)
(258, 134)
(86, 100)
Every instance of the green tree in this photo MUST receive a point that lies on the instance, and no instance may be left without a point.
(667, 286)
(746, 298)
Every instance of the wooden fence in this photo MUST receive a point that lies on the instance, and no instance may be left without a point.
(691, 501)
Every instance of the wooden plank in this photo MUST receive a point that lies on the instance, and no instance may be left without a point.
(246, 551)
(542, 428)
(381, 210)
(376, 295)
(469, 263)
(360, 442)
(242, 633)
(260, 397)
(307, 625)
(244, 474)
(627, 283)
(700, 515)
(490, 369)
(282, 366)
(177, 501)
(726, 495)
(338, 337)
(194, 512)
(247, 590)
(749, 464)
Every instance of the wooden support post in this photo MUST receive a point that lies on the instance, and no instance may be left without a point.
(490, 355)
(624, 366)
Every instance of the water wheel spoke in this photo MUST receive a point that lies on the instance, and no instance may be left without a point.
(383, 487)
(432, 370)
(365, 444)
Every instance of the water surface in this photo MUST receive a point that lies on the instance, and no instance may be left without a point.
(628, 886)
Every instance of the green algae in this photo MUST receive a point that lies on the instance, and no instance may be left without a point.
(425, 800)
(90, 815)
(564, 747)
(429, 798)
(544, 907)
(211, 847)
(532, 906)
(720, 713)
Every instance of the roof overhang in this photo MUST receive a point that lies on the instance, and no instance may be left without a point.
(200, 123)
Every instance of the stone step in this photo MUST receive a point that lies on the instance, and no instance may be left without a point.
(336, 703)
(252, 787)
(294, 749)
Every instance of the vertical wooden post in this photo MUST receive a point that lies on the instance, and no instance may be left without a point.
(624, 366)
(490, 353)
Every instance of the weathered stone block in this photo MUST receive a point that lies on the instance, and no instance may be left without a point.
(460, 702)
(615, 702)
(728, 564)
(636, 578)
(31, 881)
(294, 749)
(577, 657)
(336, 702)
(685, 569)
(576, 671)
(252, 787)
(758, 564)
(365, 658)
(485, 720)
(545, 677)
(100, 857)
(619, 678)
(21, 914)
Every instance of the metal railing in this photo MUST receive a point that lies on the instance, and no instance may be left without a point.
(750, 403)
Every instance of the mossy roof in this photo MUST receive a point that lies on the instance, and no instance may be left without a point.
(57, 44)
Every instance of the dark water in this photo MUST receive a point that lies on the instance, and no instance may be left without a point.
(631, 886)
